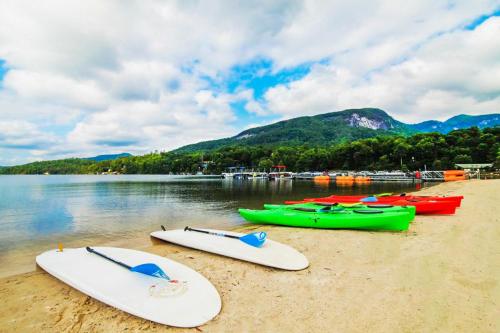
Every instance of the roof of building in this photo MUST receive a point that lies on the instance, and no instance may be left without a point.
(474, 165)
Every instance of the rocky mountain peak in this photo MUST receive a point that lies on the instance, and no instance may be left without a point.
(356, 120)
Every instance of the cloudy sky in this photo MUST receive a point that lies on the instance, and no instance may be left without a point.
(82, 78)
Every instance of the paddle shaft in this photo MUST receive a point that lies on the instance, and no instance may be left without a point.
(108, 258)
(211, 233)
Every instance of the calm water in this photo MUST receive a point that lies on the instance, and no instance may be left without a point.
(37, 212)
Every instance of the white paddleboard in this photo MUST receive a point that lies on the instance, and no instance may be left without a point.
(271, 254)
(189, 303)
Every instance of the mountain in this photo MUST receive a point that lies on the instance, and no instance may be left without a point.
(321, 129)
(100, 158)
(458, 122)
(334, 127)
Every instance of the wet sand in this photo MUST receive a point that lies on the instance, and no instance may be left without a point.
(442, 275)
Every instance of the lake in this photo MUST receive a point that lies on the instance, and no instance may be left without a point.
(38, 212)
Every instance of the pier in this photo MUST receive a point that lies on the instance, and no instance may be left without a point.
(373, 176)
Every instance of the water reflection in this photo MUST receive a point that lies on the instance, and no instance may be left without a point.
(38, 209)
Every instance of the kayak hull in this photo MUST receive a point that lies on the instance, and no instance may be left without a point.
(348, 219)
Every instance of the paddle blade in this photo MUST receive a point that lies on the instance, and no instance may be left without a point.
(151, 270)
(369, 199)
(255, 239)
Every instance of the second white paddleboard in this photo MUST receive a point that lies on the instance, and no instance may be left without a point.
(272, 254)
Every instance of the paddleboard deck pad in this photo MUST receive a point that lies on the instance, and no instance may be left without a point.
(272, 253)
(187, 300)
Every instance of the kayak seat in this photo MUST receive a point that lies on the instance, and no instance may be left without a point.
(379, 206)
(325, 204)
(303, 209)
(366, 211)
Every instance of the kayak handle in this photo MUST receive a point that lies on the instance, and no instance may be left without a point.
(211, 233)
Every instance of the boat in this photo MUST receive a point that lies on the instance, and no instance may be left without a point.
(438, 207)
(368, 219)
(234, 173)
(279, 173)
(308, 174)
(384, 198)
(339, 207)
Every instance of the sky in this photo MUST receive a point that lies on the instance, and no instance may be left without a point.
(83, 78)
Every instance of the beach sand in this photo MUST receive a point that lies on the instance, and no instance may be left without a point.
(443, 275)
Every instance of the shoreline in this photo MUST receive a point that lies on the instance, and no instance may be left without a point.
(18, 249)
(440, 275)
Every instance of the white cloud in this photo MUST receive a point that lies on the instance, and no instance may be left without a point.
(131, 76)
(255, 107)
(23, 135)
(456, 72)
(55, 89)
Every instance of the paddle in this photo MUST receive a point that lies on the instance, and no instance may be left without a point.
(255, 239)
(148, 269)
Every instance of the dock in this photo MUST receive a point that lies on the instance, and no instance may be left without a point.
(241, 173)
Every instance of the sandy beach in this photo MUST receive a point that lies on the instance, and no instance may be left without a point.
(442, 275)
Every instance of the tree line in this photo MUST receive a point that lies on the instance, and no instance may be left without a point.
(433, 151)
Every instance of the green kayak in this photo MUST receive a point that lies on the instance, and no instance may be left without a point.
(359, 218)
(321, 207)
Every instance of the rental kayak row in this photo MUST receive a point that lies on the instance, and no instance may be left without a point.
(423, 205)
(373, 212)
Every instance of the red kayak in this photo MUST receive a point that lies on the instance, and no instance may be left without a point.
(386, 199)
(423, 206)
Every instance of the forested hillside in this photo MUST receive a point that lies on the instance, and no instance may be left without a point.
(340, 126)
(436, 151)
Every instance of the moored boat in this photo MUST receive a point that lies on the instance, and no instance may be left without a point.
(383, 199)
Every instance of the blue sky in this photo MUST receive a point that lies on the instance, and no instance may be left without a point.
(140, 79)
(480, 19)
(3, 70)
(259, 76)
